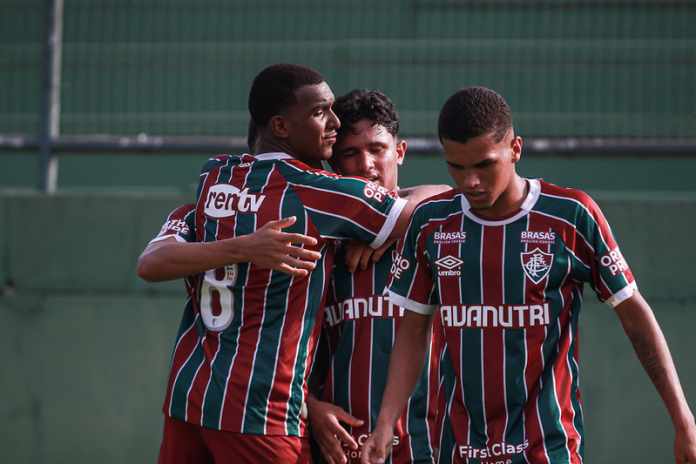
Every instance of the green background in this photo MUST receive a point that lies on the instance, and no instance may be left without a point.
(86, 344)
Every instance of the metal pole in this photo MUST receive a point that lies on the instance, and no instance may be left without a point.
(50, 101)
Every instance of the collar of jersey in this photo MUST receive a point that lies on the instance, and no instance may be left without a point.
(274, 155)
(527, 205)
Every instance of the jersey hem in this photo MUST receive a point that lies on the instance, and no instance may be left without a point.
(389, 224)
(411, 305)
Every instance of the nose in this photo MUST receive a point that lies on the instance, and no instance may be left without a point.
(333, 123)
(365, 163)
(470, 180)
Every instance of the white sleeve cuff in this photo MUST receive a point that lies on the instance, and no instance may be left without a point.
(389, 224)
(411, 305)
(159, 238)
(622, 295)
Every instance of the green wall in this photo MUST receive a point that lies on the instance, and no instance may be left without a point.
(87, 344)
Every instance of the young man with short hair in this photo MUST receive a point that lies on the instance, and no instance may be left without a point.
(502, 260)
(237, 385)
(360, 320)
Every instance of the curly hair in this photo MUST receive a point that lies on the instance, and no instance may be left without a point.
(361, 104)
(474, 111)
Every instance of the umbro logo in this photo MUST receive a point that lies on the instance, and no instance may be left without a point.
(448, 266)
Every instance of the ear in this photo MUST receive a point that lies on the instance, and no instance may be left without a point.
(279, 126)
(401, 147)
(516, 146)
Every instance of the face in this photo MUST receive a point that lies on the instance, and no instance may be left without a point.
(368, 150)
(309, 126)
(482, 168)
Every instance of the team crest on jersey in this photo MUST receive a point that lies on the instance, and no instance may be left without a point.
(448, 266)
(224, 200)
(536, 264)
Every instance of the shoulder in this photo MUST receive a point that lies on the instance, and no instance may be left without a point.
(437, 209)
(181, 212)
(223, 160)
(567, 197)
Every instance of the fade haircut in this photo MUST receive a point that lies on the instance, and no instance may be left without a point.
(372, 105)
(474, 111)
(273, 90)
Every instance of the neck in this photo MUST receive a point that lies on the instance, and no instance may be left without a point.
(270, 145)
(509, 202)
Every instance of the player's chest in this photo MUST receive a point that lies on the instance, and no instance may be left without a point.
(497, 264)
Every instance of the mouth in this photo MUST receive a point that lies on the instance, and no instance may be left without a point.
(331, 137)
(476, 195)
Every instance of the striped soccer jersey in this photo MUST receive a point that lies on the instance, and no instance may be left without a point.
(509, 294)
(363, 324)
(241, 357)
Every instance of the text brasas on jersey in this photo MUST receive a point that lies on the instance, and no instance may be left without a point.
(224, 200)
(485, 316)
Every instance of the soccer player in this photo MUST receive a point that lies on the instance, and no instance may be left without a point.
(237, 385)
(502, 261)
(362, 321)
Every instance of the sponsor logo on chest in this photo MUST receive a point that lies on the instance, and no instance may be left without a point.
(448, 238)
(536, 264)
(375, 306)
(448, 266)
(496, 450)
(226, 200)
(538, 237)
(505, 315)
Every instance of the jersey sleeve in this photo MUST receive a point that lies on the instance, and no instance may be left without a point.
(179, 224)
(411, 282)
(608, 273)
(346, 207)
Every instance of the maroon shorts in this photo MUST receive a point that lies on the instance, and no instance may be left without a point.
(184, 443)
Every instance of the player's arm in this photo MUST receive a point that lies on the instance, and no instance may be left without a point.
(405, 367)
(269, 247)
(650, 345)
(359, 254)
(325, 420)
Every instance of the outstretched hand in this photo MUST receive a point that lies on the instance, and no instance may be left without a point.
(325, 419)
(271, 248)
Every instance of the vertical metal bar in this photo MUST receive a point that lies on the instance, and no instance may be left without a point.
(50, 99)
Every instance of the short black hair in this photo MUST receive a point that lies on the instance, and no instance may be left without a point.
(273, 89)
(372, 105)
(474, 111)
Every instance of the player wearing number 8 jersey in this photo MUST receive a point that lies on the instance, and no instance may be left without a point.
(241, 359)
(501, 264)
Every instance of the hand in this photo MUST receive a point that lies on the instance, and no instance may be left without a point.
(359, 255)
(324, 419)
(685, 445)
(271, 248)
(378, 445)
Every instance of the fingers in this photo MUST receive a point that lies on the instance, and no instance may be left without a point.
(370, 453)
(281, 223)
(298, 263)
(298, 239)
(292, 271)
(353, 255)
(346, 418)
(379, 252)
(331, 447)
(365, 258)
(303, 253)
